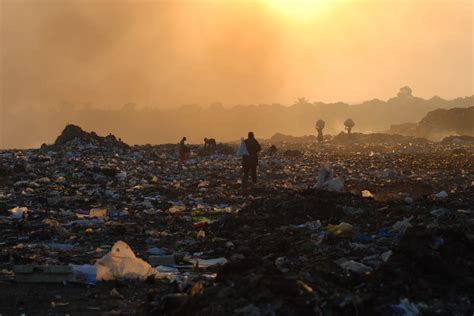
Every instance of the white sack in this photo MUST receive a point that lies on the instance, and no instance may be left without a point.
(121, 263)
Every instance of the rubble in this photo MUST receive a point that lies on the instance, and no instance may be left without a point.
(285, 246)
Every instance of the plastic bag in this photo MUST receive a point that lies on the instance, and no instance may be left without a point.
(400, 227)
(121, 263)
(325, 181)
(242, 150)
(355, 266)
(18, 212)
(85, 273)
(342, 229)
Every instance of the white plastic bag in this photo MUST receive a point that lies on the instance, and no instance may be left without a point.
(242, 150)
(325, 181)
(18, 212)
(121, 263)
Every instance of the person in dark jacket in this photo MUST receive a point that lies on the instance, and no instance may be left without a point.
(183, 150)
(250, 161)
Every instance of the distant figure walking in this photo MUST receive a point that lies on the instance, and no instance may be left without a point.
(183, 150)
(250, 161)
(319, 127)
(320, 135)
(210, 142)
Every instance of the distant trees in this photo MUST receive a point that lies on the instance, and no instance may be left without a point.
(129, 108)
(404, 92)
(349, 124)
(302, 102)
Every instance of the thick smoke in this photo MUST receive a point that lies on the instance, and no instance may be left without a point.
(57, 57)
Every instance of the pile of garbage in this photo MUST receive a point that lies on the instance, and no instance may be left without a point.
(316, 252)
(384, 229)
(376, 138)
(454, 140)
(219, 149)
(440, 123)
(74, 136)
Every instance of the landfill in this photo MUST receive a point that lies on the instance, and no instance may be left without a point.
(90, 225)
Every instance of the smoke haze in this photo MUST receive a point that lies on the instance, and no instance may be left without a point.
(163, 54)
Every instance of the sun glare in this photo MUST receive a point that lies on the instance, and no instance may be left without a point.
(299, 9)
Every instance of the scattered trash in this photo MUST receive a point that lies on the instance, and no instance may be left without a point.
(84, 273)
(115, 293)
(406, 308)
(363, 239)
(342, 229)
(401, 226)
(156, 251)
(367, 194)
(62, 247)
(325, 181)
(98, 212)
(162, 260)
(386, 255)
(441, 195)
(18, 212)
(205, 263)
(354, 266)
(42, 274)
(280, 263)
(209, 243)
(439, 212)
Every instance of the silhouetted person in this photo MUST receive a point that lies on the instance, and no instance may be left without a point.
(320, 124)
(349, 125)
(183, 150)
(210, 142)
(250, 161)
(320, 135)
(272, 150)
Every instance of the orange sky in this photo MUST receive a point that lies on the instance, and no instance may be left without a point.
(168, 53)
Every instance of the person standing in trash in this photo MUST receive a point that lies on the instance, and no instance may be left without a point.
(183, 150)
(210, 142)
(250, 161)
(320, 135)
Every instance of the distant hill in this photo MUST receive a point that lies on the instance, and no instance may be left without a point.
(153, 126)
(440, 123)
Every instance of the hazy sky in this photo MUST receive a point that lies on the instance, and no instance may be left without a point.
(166, 53)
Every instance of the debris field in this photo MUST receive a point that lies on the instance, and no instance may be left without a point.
(352, 229)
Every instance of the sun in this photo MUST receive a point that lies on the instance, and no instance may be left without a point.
(299, 9)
